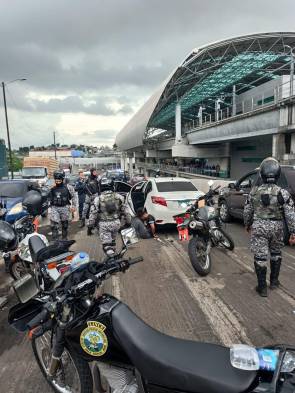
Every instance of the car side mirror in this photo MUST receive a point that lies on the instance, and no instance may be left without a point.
(232, 186)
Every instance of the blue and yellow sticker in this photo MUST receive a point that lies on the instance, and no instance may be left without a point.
(93, 339)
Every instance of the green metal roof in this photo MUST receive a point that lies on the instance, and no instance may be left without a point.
(235, 70)
(205, 75)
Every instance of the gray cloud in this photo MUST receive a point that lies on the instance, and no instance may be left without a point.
(116, 48)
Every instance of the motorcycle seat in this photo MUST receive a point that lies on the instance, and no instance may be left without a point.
(40, 252)
(175, 363)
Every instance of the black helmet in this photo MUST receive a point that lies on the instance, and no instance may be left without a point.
(270, 170)
(106, 184)
(8, 237)
(32, 202)
(58, 175)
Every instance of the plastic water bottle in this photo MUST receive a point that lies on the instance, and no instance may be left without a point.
(79, 259)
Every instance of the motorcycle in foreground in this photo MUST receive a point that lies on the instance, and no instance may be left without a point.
(74, 324)
(202, 221)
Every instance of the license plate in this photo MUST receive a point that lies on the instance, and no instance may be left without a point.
(185, 203)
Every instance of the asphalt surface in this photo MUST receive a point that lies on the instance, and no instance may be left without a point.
(165, 291)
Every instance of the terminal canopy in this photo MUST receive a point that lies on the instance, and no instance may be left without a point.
(206, 75)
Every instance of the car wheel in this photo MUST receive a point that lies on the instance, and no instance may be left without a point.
(224, 211)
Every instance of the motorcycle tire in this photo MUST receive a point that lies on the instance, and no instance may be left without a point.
(16, 269)
(82, 368)
(195, 244)
(231, 245)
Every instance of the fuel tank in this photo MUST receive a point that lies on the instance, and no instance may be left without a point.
(93, 339)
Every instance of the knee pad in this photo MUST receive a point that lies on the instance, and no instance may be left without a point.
(260, 261)
(54, 225)
(276, 256)
(65, 224)
(108, 249)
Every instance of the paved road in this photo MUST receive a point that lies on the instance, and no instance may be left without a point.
(167, 293)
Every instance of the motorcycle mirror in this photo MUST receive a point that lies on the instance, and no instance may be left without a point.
(129, 236)
(210, 183)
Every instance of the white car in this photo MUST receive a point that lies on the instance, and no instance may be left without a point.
(163, 197)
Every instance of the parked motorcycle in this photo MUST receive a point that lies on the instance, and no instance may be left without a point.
(19, 261)
(44, 267)
(74, 324)
(202, 222)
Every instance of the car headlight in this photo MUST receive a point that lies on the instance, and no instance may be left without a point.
(18, 208)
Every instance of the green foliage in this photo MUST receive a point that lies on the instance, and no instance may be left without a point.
(17, 163)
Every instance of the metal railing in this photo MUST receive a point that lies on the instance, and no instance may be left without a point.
(189, 169)
(258, 101)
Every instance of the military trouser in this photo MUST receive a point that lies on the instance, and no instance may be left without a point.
(267, 240)
(108, 231)
(89, 199)
(81, 199)
(60, 215)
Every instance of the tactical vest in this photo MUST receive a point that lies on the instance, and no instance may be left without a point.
(92, 186)
(109, 206)
(60, 196)
(267, 202)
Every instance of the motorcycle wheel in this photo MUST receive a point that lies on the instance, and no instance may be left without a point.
(17, 269)
(200, 259)
(225, 240)
(73, 375)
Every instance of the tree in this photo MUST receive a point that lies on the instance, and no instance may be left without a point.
(17, 163)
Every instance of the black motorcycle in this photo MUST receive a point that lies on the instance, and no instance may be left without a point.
(202, 224)
(74, 324)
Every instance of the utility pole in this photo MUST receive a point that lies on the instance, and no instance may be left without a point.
(54, 144)
(7, 129)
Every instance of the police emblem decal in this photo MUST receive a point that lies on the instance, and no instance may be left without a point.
(93, 339)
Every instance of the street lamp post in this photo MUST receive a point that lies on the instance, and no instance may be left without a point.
(6, 120)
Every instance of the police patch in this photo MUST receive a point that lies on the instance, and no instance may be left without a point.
(93, 339)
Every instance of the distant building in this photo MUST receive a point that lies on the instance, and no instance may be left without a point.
(51, 153)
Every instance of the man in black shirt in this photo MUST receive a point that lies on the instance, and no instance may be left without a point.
(144, 224)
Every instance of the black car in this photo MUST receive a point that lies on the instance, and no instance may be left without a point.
(232, 198)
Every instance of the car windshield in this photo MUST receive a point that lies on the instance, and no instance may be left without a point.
(33, 172)
(12, 190)
(172, 186)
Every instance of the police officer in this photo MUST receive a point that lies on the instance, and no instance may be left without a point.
(108, 211)
(92, 190)
(62, 200)
(80, 189)
(266, 208)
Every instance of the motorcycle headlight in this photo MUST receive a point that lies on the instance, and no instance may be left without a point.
(18, 208)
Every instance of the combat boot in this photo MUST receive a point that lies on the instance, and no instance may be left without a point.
(261, 271)
(82, 223)
(275, 266)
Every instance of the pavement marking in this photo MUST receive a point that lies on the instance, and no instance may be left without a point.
(116, 290)
(224, 321)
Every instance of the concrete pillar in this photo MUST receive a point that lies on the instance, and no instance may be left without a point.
(278, 146)
(178, 123)
(130, 160)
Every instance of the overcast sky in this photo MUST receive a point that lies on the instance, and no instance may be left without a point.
(90, 64)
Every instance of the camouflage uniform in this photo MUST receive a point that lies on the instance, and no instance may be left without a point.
(266, 208)
(106, 212)
(61, 214)
(92, 191)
